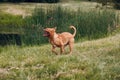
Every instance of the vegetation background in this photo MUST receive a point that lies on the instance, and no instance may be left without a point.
(96, 51)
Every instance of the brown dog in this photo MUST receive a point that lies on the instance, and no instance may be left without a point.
(60, 40)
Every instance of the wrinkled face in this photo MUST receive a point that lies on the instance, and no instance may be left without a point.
(49, 32)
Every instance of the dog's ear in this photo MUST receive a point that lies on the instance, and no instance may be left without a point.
(55, 28)
(44, 28)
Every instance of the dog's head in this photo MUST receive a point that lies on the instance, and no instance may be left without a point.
(49, 32)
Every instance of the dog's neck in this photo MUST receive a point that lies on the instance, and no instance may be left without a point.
(54, 36)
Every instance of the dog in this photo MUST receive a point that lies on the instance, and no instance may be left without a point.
(60, 39)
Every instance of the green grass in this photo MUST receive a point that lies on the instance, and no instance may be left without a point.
(91, 60)
(11, 23)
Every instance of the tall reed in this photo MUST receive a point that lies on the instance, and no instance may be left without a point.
(90, 24)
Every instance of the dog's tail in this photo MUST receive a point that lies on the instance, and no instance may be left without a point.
(72, 27)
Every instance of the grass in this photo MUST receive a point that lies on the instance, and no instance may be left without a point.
(93, 60)
(11, 23)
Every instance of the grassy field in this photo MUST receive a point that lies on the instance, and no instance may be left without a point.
(90, 60)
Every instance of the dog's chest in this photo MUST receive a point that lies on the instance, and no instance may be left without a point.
(57, 42)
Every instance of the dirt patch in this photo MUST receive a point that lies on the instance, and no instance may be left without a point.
(27, 8)
(15, 11)
(3, 71)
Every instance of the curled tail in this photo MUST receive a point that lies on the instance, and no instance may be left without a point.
(72, 27)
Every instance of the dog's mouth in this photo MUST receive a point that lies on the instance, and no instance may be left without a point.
(46, 34)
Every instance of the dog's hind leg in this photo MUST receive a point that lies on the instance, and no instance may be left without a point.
(71, 44)
(62, 49)
(71, 47)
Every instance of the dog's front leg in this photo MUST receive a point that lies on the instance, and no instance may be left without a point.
(53, 49)
(61, 49)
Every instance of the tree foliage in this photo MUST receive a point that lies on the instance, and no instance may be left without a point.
(117, 4)
(49, 1)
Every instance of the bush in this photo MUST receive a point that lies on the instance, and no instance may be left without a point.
(52, 1)
(11, 29)
(10, 23)
(117, 4)
(49, 1)
(104, 2)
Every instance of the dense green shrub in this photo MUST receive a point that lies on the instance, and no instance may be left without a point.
(49, 1)
(117, 4)
(11, 29)
(104, 2)
(10, 23)
(52, 1)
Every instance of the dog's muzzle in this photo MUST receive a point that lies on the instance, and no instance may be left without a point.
(46, 34)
